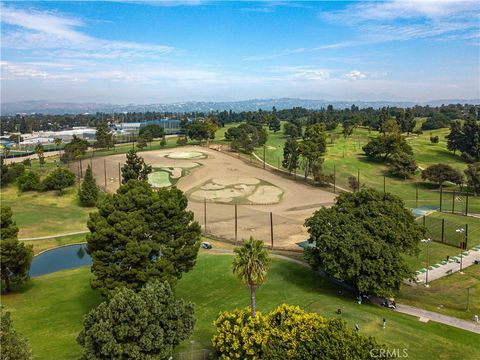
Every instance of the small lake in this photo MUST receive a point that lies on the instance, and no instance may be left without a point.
(63, 258)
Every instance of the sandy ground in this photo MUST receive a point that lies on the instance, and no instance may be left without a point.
(298, 202)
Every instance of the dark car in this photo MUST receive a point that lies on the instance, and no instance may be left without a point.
(206, 245)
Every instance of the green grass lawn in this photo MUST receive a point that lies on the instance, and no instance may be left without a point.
(447, 295)
(49, 309)
(438, 251)
(45, 244)
(46, 213)
(347, 157)
(124, 148)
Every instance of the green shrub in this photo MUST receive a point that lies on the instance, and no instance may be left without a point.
(58, 179)
(27, 162)
(88, 192)
(28, 181)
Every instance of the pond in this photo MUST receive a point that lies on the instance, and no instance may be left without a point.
(62, 258)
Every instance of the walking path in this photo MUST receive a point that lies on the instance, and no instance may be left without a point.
(436, 271)
(54, 236)
(423, 315)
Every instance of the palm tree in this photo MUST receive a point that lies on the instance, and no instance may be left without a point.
(57, 142)
(251, 265)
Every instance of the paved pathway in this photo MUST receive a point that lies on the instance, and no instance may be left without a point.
(423, 315)
(446, 268)
(444, 319)
(55, 236)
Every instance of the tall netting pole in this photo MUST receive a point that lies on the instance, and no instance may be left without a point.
(236, 225)
(271, 228)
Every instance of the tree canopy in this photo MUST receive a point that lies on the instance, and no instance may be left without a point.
(154, 130)
(472, 172)
(103, 136)
(75, 149)
(58, 179)
(15, 256)
(139, 234)
(313, 147)
(441, 173)
(135, 168)
(144, 325)
(88, 192)
(361, 239)
(14, 346)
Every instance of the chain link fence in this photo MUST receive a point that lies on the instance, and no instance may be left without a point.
(457, 234)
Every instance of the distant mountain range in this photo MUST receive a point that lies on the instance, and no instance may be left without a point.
(55, 108)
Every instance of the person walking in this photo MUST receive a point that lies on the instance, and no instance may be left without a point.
(384, 322)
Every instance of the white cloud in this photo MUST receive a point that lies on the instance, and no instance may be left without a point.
(36, 30)
(399, 20)
(354, 75)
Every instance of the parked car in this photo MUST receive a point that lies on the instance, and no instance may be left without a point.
(206, 245)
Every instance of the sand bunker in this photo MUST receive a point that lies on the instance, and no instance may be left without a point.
(183, 165)
(233, 181)
(266, 195)
(241, 191)
(159, 179)
(186, 155)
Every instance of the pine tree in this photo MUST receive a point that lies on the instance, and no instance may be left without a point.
(291, 154)
(135, 168)
(151, 232)
(14, 346)
(454, 138)
(103, 136)
(88, 192)
(15, 256)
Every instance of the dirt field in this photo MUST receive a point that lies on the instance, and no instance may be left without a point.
(297, 203)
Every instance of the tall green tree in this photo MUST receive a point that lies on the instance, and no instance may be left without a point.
(291, 154)
(135, 168)
(274, 123)
(154, 130)
(251, 264)
(313, 147)
(103, 136)
(403, 165)
(455, 137)
(15, 256)
(144, 325)
(472, 172)
(13, 345)
(362, 240)
(88, 192)
(139, 235)
(75, 149)
(470, 145)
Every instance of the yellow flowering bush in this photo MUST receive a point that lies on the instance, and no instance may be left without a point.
(287, 333)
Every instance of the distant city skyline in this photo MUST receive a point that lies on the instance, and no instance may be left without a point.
(174, 51)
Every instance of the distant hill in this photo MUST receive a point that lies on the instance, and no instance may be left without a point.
(53, 108)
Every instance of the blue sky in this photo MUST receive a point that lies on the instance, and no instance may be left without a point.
(145, 52)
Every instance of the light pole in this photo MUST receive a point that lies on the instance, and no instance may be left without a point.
(427, 241)
(461, 231)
